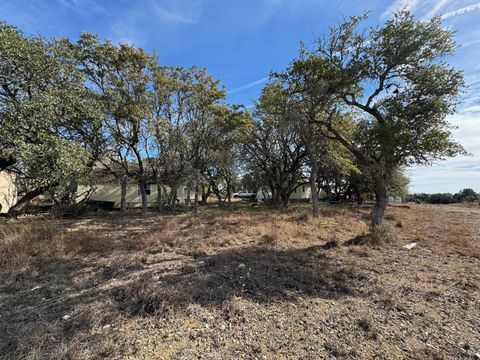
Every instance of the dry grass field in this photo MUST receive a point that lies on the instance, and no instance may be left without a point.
(244, 283)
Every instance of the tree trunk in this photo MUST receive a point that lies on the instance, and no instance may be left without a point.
(358, 195)
(173, 200)
(219, 200)
(381, 200)
(229, 194)
(313, 190)
(204, 196)
(285, 200)
(21, 204)
(275, 197)
(159, 197)
(143, 192)
(195, 202)
(123, 194)
(187, 200)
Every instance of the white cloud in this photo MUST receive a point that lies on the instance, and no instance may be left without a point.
(401, 4)
(453, 174)
(83, 5)
(461, 11)
(136, 23)
(436, 8)
(186, 11)
(457, 173)
(429, 8)
(248, 86)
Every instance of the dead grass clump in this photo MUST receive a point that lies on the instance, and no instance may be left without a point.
(232, 310)
(269, 239)
(366, 324)
(89, 317)
(84, 242)
(382, 234)
(120, 268)
(390, 217)
(143, 298)
(19, 242)
(331, 211)
(302, 218)
(361, 251)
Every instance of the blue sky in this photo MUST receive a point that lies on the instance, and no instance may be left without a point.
(240, 42)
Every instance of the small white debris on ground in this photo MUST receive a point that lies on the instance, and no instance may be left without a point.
(410, 246)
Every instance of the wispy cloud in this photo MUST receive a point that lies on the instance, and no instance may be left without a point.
(184, 12)
(436, 7)
(148, 18)
(83, 5)
(457, 173)
(461, 11)
(430, 8)
(248, 86)
(400, 4)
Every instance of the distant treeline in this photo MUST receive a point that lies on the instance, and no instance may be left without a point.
(465, 195)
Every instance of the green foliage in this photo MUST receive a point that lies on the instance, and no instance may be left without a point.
(349, 115)
(398, 183)
(43, 102)
(275, 151)
(467, 195)
(395, 84)
(403, 119)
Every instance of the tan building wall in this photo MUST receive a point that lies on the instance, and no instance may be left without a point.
(8, 191)
(112, 192)
(301, 193)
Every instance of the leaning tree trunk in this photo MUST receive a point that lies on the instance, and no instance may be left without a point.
(123, 194)
(21, 204)
(381, 200)
(314, 190)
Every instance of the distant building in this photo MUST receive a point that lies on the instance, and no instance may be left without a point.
(395, 199)
(301, 193)
(8, 191)
(111, 192)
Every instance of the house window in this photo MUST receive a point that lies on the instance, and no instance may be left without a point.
(148, 188)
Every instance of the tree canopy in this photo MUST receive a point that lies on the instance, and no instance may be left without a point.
(347, 117)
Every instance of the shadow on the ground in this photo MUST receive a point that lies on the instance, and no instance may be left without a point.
(261, 274)
(45, 309)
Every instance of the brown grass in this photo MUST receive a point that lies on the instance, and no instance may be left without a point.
(254, 282)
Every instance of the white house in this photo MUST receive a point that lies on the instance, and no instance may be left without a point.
(8, 191)
(301, 193)
(111, 192)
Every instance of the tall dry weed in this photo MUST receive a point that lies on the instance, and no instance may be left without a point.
(19, 242)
